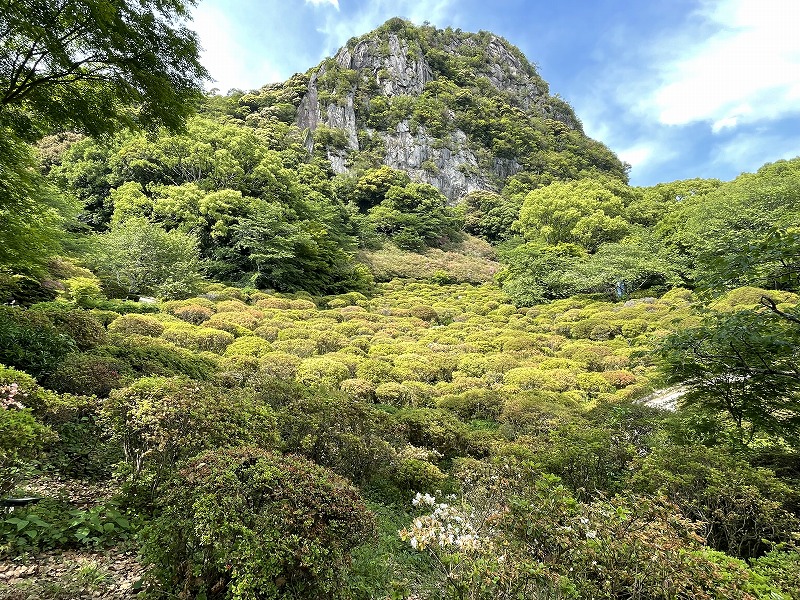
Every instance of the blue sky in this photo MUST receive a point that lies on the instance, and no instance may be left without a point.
(677, 88)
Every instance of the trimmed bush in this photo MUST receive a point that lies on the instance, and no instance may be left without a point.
(322, 371)
(413, 474)
(193, 313)
(426, 313)
(233, 322)
(473, 404)
(299, 347)
(138, 325)
(280, 365)
(246, 523)
(143, 355)
(394, 394)
(358, 389)
(248, 346)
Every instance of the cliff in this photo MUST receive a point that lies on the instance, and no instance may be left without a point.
(460, 111)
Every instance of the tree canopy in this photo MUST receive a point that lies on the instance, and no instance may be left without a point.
(94, 65)
(91, 66)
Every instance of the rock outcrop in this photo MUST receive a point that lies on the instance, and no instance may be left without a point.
(392, 68)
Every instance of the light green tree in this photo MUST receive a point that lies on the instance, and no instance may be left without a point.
(588, 212)
(141, 258)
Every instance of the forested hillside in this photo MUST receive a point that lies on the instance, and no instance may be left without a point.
(389, 329)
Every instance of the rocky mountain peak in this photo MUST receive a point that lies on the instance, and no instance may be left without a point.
(461, 111)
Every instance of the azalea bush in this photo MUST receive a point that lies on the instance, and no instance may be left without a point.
(244, 523)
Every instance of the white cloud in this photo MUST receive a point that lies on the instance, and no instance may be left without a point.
(231, 63)
(749, 70)
(637, 155)
(747, 149)
(334, 3)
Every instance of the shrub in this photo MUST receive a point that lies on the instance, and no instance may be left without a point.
(143, 355)
(526, 378)
(246, 523)
(433, 428)
(473, 404)
(476, 365)
(593, 383)
(426, 313)
(280, 365)
(22, 290)
(230, 306)
(345, 435)
(193, 313)
(632, 327)
(104, 317)
(376, 371)
(298, 347)
(273, 302)
(234, 322)
(300, 304)
(86, 374)
(21, 435)
(268, 332)
(429, 368)
(331, 341)
(198, 338)
(213, 340)
(599, 547)
(137, 324)
(418, 475)
(358, 389)
(536, 411)
(741, 509)
(248, 346)
(84, 291)
(30, 342)
(82, 326)
(619, 379)
(159, 421)
(322, 371)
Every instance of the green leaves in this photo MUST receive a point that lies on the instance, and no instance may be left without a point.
(262, 524)
(745, 364)
(52, 524)
(97, 65)
(139, 257)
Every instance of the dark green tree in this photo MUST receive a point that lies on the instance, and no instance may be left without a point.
(93, 65)
(745, 365)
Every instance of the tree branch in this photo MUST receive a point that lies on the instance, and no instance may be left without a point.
(769, 303)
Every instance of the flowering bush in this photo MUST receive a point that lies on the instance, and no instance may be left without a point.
(449, 528)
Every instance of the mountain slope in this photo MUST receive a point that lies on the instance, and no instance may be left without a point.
(460, 111)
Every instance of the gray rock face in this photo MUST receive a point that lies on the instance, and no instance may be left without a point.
(398, 69)
(452, 169)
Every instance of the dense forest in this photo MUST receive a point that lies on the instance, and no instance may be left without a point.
(378, 331)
